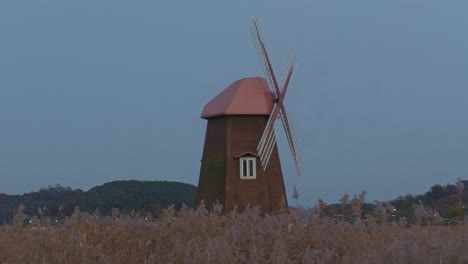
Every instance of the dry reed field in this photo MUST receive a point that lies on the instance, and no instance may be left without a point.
(200, 236)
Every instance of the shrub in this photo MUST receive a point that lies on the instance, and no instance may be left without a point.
(201, 236)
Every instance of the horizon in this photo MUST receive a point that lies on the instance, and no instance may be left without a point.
(290, 199)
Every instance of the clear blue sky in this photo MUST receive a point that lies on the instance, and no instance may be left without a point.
(94, 91)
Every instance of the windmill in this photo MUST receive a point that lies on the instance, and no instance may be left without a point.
(240, 165)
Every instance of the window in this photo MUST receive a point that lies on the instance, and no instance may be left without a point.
(247, 168)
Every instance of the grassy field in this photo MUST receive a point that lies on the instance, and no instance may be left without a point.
(199, 236)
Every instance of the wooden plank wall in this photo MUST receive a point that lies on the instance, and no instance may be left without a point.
(212, 181)
(268, 187)
(227, 137)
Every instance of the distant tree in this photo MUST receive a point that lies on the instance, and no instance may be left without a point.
(59, 202)
(356, 205)
(460, 190)
(295, 195)
(325, 210)
(435, 193)
(344, 204)
(19, 217)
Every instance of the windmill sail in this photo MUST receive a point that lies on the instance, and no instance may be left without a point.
(268, 139)
(265, 60)
(292, 140)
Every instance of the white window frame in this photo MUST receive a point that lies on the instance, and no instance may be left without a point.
(251, 168)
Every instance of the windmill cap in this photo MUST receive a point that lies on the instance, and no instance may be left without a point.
(248, 96)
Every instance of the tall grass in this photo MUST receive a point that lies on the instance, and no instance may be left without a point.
(200, 236)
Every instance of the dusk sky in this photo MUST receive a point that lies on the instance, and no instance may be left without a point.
(95, 91)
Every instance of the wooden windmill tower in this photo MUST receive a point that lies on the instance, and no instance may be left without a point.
(240, 163)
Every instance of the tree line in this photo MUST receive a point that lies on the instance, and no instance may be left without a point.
(129, 196)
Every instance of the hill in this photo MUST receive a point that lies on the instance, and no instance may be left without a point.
(143, 196)
(448, 200)
(128, 196)
(153, 196)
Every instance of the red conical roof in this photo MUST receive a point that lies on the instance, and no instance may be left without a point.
(248, 96)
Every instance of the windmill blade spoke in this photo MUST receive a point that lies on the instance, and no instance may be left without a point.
(298, 150)
(267, 73)
(270, 146)
(298, 156)
(263, 62)
(287, 74)
(268, 128)
(292, 139)
(262, 149)
(264, 58)
(290, 58)
(268, 137)
(264, 154)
